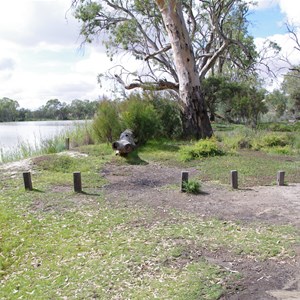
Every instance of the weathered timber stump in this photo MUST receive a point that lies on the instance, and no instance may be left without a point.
(125, 144)
(67, 143)
(27, 181)
(234, 179)
(184, 180)
(280, 178)
(77, 182)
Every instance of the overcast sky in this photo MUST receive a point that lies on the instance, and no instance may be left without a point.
(41, 58)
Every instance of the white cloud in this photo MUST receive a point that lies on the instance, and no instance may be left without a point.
(262, 4)
(291, 9)
(290, 14)
(39, 54)
(29, 23)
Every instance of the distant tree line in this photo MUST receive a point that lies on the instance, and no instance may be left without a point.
(227, 100)
(10, 110)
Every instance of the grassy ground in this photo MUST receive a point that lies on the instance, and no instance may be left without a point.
(55, 244)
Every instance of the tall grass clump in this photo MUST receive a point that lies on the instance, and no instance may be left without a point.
(240, 138)
(81, 134)
(287, 143)
(202, 148)
(280, 127)
(276, 143)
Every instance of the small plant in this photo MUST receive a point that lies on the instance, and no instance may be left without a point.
(192, 187)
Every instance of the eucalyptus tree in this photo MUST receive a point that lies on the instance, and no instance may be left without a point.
(293, 32)
(8, 110)
(277, 100)
(290, 86)
(179, 42)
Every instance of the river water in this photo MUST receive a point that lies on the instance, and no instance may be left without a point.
(14, 134)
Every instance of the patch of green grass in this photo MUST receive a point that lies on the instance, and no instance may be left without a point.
(160, 151)
(99, 150)
(280, 126)
(55, 243)
(113, 253)
(254, 168)
(245, 138)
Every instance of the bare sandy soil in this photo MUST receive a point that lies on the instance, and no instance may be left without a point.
(157, 187)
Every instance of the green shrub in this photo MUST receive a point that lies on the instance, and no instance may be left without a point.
(273, 140)
(106, 123)
(202, 148)
(140, 116)
(286, 150)
(240, 138)
(281, 127)
(169, 114)
(192, 187)
(296, 143)
(296, 126)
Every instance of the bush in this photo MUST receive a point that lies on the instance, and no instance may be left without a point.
(276, 127)
(272, 140)
(286, 150)
(281, 127)
(169, 114)
(140, 116)
(240, 138)
(296, 126)
(106, 123)
(203, 148)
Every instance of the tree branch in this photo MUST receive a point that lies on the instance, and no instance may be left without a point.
(157, 86)
(165, 49)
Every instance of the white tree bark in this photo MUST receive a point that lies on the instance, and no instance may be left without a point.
(197, 121)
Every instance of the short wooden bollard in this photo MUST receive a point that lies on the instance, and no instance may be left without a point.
(184, 180)
(280, 178)
(27, 181)
(67, 143)
(234, 179)
(77, 182)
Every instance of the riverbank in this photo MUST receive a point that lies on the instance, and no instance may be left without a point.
(25, 139)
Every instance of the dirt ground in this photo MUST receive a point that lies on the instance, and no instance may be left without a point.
(157, 186)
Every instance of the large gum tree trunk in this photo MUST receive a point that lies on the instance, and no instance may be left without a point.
(197, 122)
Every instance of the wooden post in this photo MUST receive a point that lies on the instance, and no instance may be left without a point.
(184, 179)
(234, 179)
(67, 143)
(27, 181)
(77, 182)
(280, 178)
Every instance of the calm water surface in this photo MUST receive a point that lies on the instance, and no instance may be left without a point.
(12, 134)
